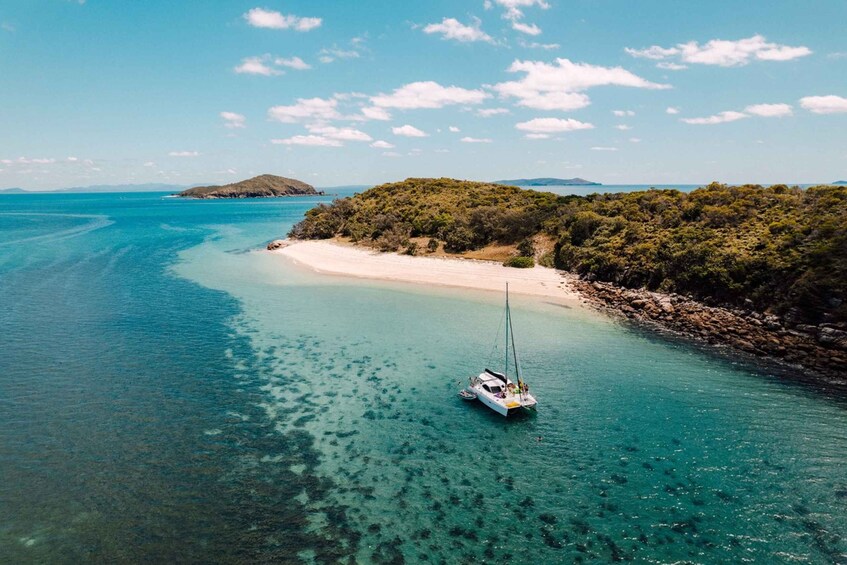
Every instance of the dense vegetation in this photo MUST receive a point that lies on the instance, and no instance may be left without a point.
(783, 248)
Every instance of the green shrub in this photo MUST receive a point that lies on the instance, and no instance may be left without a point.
(520, 262)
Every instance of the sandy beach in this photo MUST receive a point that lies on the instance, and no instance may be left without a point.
(344, 260)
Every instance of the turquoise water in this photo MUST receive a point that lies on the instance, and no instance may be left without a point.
(168, 393)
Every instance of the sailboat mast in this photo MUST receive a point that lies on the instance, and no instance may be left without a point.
(508, 323)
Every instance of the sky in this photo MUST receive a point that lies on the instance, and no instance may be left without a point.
(337, 92)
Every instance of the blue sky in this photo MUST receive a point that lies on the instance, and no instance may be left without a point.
(337, 92)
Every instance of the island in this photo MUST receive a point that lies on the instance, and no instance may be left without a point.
(15, 190)
(762, 269)
(263, 186)
(840, 182)
(548, 182)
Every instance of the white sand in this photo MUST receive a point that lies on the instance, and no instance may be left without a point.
(344, 260)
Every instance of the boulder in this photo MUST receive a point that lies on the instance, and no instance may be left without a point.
(277, 244)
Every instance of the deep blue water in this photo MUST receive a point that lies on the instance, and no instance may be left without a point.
(168, 393)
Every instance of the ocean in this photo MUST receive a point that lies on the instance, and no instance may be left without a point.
(171, 393)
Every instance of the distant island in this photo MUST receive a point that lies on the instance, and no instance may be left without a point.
(840, 182)
(102, 188)
(548, 182)
(15, 190)
(263, 186)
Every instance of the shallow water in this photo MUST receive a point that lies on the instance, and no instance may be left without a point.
(169, 393)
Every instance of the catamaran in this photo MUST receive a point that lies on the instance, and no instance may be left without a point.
(497, 390)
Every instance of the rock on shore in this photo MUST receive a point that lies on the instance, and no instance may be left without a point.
(821, 349)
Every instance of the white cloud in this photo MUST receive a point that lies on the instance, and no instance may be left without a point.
(559, 86)
(769, 110)
(634, 140)
(604, 148)
(513, 8)
(329, 55)
(451, 28)
(257, 66)
(408, 131)
(233, 120)
(488, 112)
(536, 45)
(623, 127)
(537, 136)
(72, 159)
(258, 17)
(824, 104)
(623, 113)
(308, 140)
(184, 154)
(723, 53)
(374, 113)
(672, 110)
(380, 144)
(476, 140)
(552, 125)
(454, 129)
(149, 164)
(721, 118)
(295, 63)
(529, 29)
(341, 134)
(391, 154)
(305, 109)
(668, 66)
(428, 94)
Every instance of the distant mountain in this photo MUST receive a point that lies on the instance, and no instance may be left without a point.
(149, 187)
(840, 182)
(15, 190)
(263, 186)
(548, 182)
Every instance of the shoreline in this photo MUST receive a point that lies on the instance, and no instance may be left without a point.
(819, 351)
(332, 258)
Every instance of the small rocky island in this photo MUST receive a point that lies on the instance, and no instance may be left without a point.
(263, 186)
(576, 181)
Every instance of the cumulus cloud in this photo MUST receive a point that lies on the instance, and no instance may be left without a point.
(428, 94)
(454, 129)
(408, 131)
(488, 112)
(721, 118)
(623, 127)
(722, 52)
(184, 154)
(233, 120)
(257, 66)
(258, 17)
(669, 66)
(672, 110)
(308, 140)
(830, 104)
(513, 11)
(769, 110)
(341, 134)
(451, 28)
(295, 63)
(529, 29)
(374, 113)
(476, 140)
(559, 86)
(634, 140)
(552, 125)
(604, 148)
(623, 113)
(380, 144)
(537, 136)
(305, 109)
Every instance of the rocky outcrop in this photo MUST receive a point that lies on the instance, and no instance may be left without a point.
(263, 186)
(278, 244)
(821, 349)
